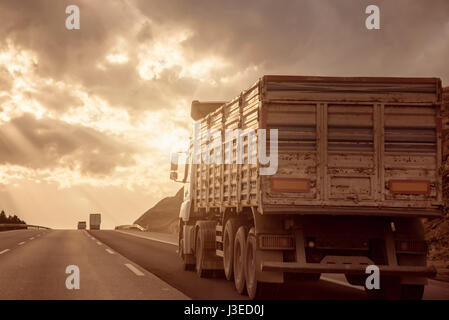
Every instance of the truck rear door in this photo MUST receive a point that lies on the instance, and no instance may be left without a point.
(352, 142)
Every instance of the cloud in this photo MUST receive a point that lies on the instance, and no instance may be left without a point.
(102, 107)
(48, 143)
(314, 37)
(6, 80)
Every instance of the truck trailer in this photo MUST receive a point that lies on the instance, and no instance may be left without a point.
(94, 221)
(356, 167)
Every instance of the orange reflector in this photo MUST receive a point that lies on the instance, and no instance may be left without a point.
(290, 185)
(410, 186)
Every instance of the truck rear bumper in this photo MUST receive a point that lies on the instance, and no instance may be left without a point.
(355, 211)
(347, 269)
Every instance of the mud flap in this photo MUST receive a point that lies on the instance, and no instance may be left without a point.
(269, 276)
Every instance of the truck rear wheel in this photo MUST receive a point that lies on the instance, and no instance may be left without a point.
(393, 290)
(239, 254)
(255, 289)
(412, 292)
(228, 247)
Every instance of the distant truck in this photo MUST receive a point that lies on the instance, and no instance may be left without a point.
(358, 166)
(81, 225)
(95, 221)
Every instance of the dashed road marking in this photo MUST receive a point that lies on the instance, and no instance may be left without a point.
(4, 251)
(136, 271)
(110, 251)
(99, 243)
(32, 238)
(23, 242)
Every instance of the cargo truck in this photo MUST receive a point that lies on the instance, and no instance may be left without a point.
(358, 168)
(94, 221)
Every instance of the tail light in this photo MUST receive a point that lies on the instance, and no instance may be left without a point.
(409, 186)
(290, 185)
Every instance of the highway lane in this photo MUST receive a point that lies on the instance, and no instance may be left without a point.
(37, 270)
(11, 239)
(115, 265)
(157, 253)
(161, 259)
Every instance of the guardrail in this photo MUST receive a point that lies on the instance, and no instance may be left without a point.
(130, 226)
(18, 226)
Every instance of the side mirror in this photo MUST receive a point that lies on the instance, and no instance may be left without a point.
(174, 166)
(174, 161)
(174, 175)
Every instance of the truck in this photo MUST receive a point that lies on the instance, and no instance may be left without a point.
(354, 166)
(94, 221)
(81, 225)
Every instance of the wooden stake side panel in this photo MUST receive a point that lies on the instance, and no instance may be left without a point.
(229, 184)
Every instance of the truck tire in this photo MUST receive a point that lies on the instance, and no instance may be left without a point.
(395, 291)
(392, 289)
(186, 259)
(239, 254)
(205, 247)
(228, 247)
(412, 292)
(199, 254)
(256, 289)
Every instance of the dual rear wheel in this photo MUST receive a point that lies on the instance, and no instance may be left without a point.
(240, 260)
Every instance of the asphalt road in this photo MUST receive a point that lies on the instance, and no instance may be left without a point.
(33, 266)
(116, 265)
(150, 253)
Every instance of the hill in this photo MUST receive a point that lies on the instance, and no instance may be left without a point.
(163, 217)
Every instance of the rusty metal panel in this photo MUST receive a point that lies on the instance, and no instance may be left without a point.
(343, 138)
(351, 164)
(411, 149)
(352, 89)
(298, 153)
(363, 133)
(445, 144)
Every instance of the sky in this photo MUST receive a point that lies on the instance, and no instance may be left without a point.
(88, 117)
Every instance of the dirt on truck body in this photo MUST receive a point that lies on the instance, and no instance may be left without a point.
(358, 166)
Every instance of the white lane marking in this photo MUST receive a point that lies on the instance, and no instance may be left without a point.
(110, 251)
(99, 243)
(136, 271)
(32, 238)
(4, 251)
(342, 283)
(23, 242)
